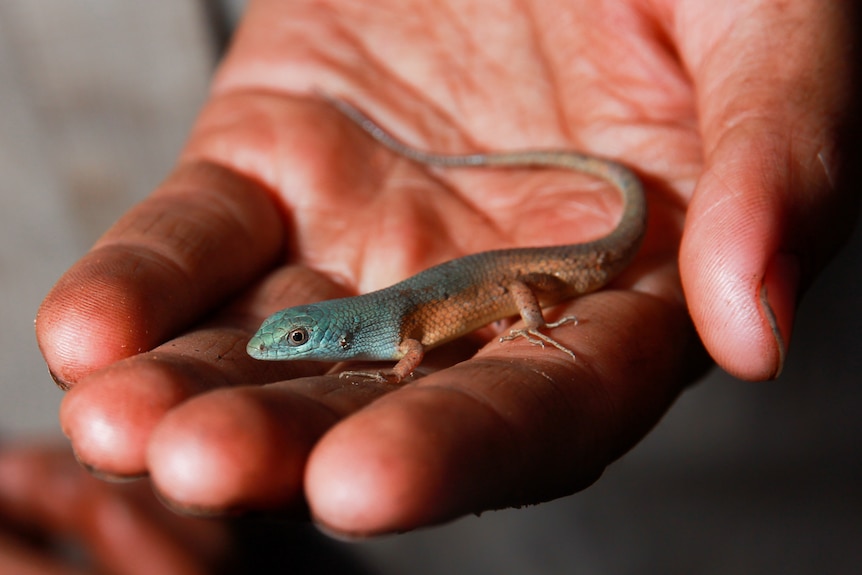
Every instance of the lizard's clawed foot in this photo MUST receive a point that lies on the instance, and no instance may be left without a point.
(387, 376)
(536, 337)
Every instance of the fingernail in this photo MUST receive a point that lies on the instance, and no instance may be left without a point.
(778, 301)
(829, 160)
(104, 475)
(60, 382)
(333, 534)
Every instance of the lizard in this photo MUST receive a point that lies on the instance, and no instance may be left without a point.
(401, 322)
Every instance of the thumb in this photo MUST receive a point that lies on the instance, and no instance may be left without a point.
(766, 214)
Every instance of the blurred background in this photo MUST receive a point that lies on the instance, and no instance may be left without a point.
(95, 102)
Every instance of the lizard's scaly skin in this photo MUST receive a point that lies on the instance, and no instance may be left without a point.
(456, 297)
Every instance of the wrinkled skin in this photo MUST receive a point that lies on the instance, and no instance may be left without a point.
(730, 111)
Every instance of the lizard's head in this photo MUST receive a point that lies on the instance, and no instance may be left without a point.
(300, 332)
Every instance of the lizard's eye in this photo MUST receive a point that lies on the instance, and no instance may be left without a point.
(297, 336)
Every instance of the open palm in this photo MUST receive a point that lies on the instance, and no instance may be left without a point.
(278, 200)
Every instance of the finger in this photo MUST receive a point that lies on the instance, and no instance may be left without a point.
(246, 448)
(516, 425)
(28, 472)
(21, 559)
(122, 528)
(765, 216)
(111, 413)
(205, 234)
(36, 508)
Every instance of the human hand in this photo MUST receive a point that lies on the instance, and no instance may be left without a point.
(277, 201)
(48, 504)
